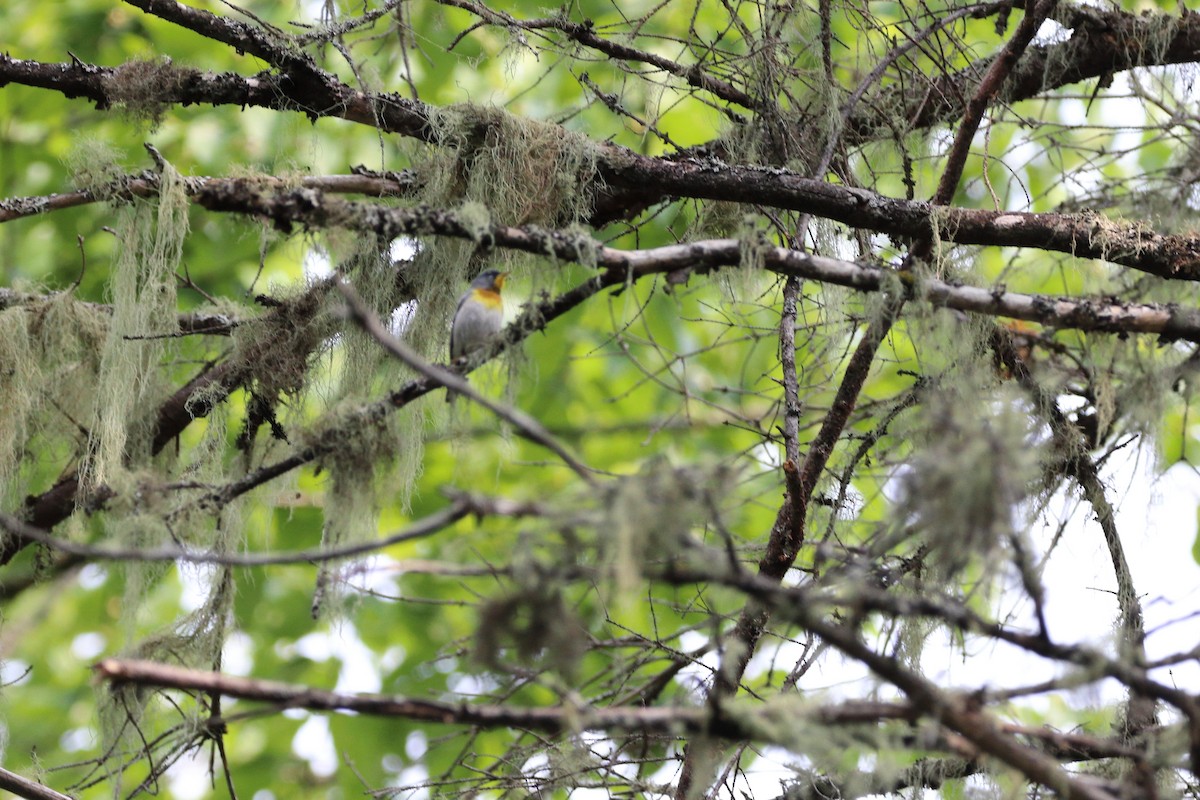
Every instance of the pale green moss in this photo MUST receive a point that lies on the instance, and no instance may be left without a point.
(142, 289)
(49, 360)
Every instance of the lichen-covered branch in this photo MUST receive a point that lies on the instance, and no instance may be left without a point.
(193, 323)
(1084, 235)
(1169, 322)
(628, 182)
(147, 184)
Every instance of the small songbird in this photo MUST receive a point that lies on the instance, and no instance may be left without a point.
(479, 317)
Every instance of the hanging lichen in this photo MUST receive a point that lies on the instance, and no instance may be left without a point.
(493, 168)
(355, 441)
(151, 236)
(528, 172)
(136, 525)
(49, 363)
(532, 624)
(361, 447)
(18, 372)
(973, 462)
(363, 369)
(143, 517)
(194, 641)
(648, 518)
(137, 87)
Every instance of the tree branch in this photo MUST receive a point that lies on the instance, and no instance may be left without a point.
(48, 509)
(627, 182)
(30, 790)
(461, 505)
(148, 184)
(563, 718)
(1084, 235)
(190, 324)
(1103, 41)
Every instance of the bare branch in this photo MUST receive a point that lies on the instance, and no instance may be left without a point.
(1103, 41)
(997, 73)
(23, 787)
(558, 719)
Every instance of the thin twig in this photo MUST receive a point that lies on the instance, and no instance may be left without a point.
(459, 508)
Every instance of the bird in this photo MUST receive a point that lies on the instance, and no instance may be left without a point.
(479, 317)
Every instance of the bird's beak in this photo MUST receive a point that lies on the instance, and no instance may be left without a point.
(500, 279)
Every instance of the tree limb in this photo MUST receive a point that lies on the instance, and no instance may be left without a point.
(564, 718)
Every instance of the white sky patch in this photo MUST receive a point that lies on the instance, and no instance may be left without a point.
(774, 770)
(1126, 112)
(767, 455)
(376, 573)
(538, 767)
(359, 672)
(77, 740)
(92, 576)
(313, 742)
(314, 646)
(1051, 32)
(88, 646)
(413, 776)
(194, 585)
(402, 318)
(392, 658)
(697, 676)
(316, 264)
(237, 657)
(403, 248)
(471, 685)
(189, 777)
(14, 672)
(416, 745)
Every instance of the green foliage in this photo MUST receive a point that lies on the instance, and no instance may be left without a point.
(566, 593)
